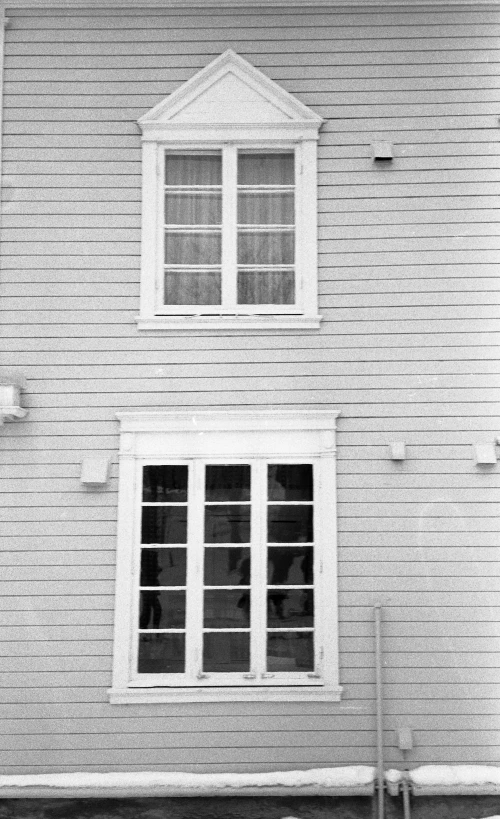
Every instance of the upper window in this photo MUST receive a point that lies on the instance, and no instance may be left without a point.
(226, 557)
(229, 205)
(221, 257)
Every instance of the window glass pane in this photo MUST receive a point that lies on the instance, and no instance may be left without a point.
(290, 566)
(192, 287)
(192, 169)
(226, 651)
(289, 609)
(193, 248)
(161, 653)
(164, 524)
(227, 524)
(227, 483)
(266, 287)
(163, 609)
(163, 567)
(265, 207)
(165, 483)
(290, 524)
(265, 247)
(265, 169)
(291, 651)
(226, 608)
(290, 482)
(227, 567)
(193, 208)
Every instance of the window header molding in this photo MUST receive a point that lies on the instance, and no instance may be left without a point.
(227, 421)
(230, 99)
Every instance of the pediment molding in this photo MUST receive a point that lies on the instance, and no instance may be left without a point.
(230, 93)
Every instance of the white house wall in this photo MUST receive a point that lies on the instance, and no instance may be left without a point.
(407, 350)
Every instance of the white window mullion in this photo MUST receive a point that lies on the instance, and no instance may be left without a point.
(229, 225)
(194, 612)
(258, 570)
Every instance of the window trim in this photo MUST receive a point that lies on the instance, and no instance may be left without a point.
(285, 124)
(173, 437)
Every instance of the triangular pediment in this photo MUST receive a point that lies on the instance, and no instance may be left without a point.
(230, 91)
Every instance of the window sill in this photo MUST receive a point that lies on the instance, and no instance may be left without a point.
(118, 696)
(228, 323)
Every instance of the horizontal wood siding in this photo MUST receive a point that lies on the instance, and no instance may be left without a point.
(407, 350)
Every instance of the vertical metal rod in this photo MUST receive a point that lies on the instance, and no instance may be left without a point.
(380, 739)
(406, 797)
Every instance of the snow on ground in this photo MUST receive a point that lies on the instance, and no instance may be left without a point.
(350, 777)
(448, 776)
(451, 775)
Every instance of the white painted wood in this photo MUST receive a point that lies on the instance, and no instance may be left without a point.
(407, 348)
(256, 437)
(230, 105)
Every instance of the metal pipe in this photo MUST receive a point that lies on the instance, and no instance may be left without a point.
(380, 739)
(405, 787)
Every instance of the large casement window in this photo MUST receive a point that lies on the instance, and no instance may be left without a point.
(226, 577)
(229, 205)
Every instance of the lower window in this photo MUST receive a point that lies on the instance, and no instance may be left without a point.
(226, 565)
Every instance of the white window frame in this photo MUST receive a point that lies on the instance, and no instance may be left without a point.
(226, 437)
(172, 126)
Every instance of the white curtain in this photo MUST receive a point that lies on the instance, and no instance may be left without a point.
(193, 228)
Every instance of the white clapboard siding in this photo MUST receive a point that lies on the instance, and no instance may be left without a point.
(407, 351)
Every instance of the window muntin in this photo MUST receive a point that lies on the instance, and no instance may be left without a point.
(229, 231)
(226, 588)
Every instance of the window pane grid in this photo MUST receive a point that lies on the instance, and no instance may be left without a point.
(162, 604)
(253, 657)
(209, 259)
(290, 605)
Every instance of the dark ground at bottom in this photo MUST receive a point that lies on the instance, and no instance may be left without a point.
(320, 807)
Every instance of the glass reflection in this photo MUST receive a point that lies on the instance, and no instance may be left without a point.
(164, 524)
(266, 247)
(290, 651)
(192, 287)
(227, 524)
(161, 653)
(290, 566)
(162, 609)
(193, 208)
(290, 524)
(192, 248)
(265, 169)
(292, 608)
(226, 651)
(266, 287)
(227, 482)
(163, 567)
(227, 567)
(259, 207)
(290, 482)
(226, 608)
(184, 170)
(165, 483)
